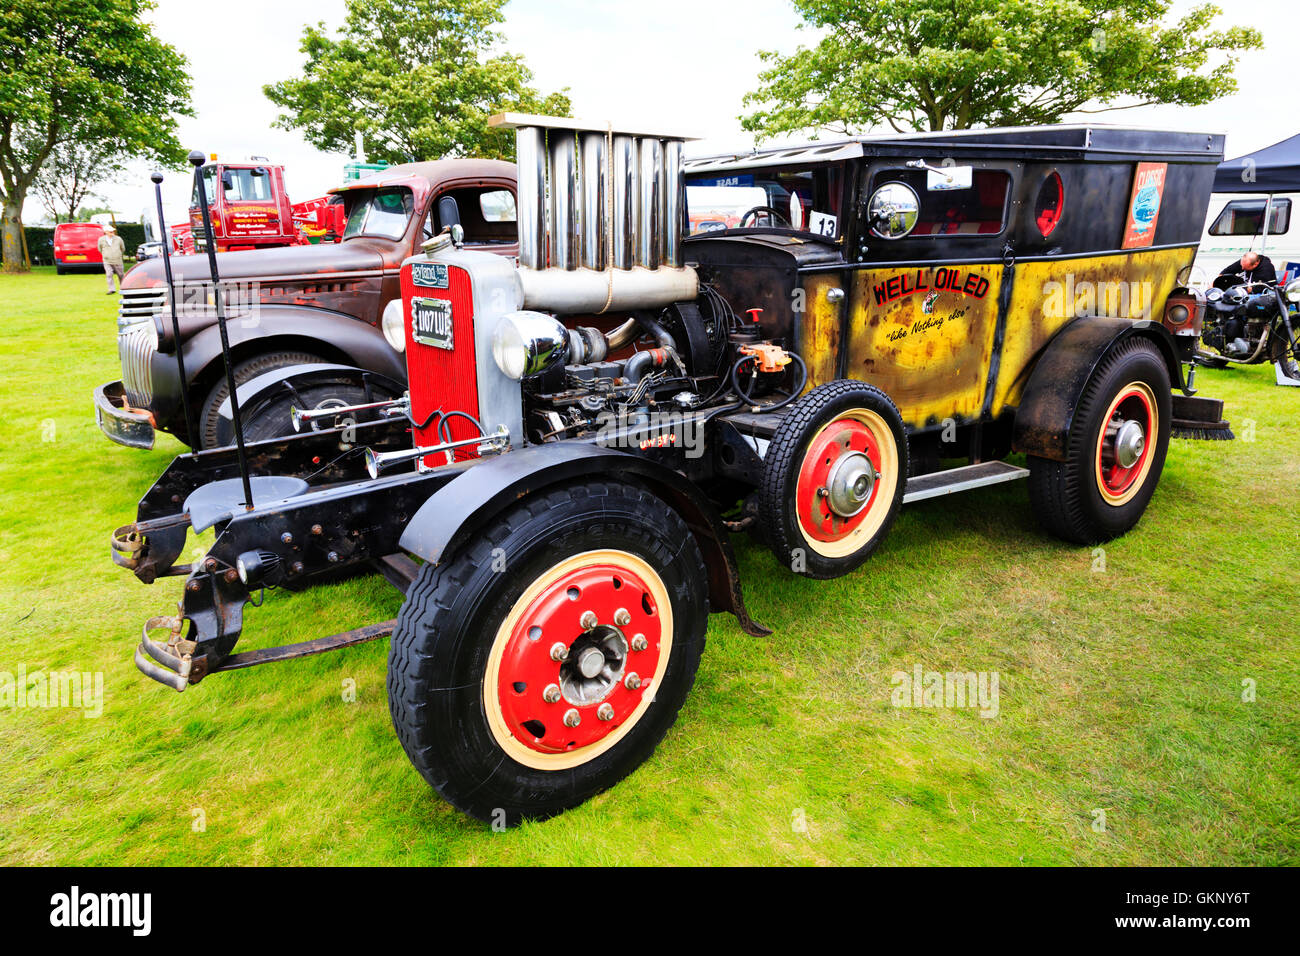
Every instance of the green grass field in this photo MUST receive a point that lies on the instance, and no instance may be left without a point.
(1121, 690)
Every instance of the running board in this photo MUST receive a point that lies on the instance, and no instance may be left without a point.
(961, 479)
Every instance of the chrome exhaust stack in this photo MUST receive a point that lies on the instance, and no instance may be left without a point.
(602, 213)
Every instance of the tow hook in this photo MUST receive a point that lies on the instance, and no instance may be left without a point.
(176, 656)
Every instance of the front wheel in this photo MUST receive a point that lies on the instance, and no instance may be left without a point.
(1115, 453)
(545, 661)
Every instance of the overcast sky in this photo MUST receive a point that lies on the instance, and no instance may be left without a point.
(682, 65)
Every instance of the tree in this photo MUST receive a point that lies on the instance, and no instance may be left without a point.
(954, 64)
(93, 71)
(414, 78)
(73, 168)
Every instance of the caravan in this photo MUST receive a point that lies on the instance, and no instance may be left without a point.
(1255, 199)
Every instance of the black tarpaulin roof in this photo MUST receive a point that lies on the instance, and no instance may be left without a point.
(1273, 169)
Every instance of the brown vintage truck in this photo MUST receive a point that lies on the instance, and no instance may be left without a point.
(323, 306)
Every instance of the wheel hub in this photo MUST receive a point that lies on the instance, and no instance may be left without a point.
(1129, 440)
(565, 678)
(839, 480)
(850, 483)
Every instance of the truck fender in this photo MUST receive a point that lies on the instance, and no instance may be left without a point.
(295, 376)
(361, 344)
(456, 511)
(1046, 412)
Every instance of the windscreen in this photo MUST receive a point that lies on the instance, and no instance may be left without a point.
(380, 212)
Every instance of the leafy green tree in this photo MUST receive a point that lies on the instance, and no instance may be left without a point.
(955, 64)
(73, 169)
(91, 71)
(415, 78)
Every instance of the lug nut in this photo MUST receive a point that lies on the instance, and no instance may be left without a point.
(317, 529)
(639, 643)
(551, 694)
(622, 618)
(191, 586)
(605, 712)
(572, 718)
(296, 567)
(333, 557)
(559, 652)
(588, 620)
(286, 538)
(231, 576)
(633, 681)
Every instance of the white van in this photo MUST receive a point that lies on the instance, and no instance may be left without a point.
(1234, 225)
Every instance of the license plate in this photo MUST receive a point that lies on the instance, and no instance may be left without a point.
(431, 322)
(76, 258)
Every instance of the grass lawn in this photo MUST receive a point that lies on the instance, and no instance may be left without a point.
(1120, 678)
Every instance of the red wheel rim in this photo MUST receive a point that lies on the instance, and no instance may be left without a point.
(540, 697)
(1117, 480)
(844, 436)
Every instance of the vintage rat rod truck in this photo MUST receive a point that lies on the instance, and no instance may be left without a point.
(582, 431)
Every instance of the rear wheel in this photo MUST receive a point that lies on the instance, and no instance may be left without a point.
(833, 478)
(546, 660)
(1115, 452)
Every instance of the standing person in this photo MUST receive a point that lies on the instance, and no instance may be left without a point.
(111, 249)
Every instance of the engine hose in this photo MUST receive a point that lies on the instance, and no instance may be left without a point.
(444, 429)
(749, 400)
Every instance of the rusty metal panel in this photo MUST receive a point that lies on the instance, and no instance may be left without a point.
(1049, 294)
(820, 330)
(925, 336)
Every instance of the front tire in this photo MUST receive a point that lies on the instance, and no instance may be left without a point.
(1115, 453)
(493, 721)
(833, 478)
(211, 434)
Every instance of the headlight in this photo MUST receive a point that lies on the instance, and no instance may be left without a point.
(1178, 314)
(528, 343)
(393, 324)
(1293, 290)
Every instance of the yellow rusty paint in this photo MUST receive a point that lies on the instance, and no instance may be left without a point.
(1049, 294)
(820, 341)
(927, 348)
(927, 339)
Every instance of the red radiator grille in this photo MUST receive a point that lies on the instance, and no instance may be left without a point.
(441, 378)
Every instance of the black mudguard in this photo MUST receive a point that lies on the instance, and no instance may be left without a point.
(451, 516)
(269, 385)
(1046, 412)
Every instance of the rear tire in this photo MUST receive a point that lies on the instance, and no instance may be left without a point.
(1096, 494)
(471, 671)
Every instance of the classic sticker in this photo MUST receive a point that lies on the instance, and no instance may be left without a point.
(1144, 205)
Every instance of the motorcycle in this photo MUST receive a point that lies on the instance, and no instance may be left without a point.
(1249, 323)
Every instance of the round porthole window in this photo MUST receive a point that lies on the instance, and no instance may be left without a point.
(1048, 205)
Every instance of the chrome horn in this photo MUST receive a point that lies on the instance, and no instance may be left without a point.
(301, 416)
(379, 462)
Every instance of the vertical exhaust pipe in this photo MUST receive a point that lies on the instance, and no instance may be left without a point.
(564, 200)
(651, 189)
(624, 190)
(531, 208)
(674, 203)
(592, 227)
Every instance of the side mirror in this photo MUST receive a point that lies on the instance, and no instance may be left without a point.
(949, 177)
(893, 210)
(227, 180)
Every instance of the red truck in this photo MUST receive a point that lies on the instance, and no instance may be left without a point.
(250, 210)
(76, 247)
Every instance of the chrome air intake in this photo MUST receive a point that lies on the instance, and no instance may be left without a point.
(601, 216)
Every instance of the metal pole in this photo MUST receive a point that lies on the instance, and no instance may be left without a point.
(157, 179)
(197, 159)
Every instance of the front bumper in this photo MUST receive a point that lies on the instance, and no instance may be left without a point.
(123, 424)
